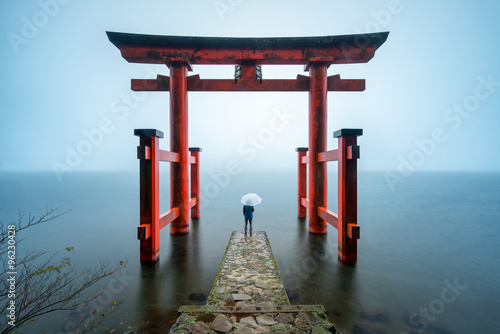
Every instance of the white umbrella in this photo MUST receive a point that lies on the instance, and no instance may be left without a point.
(251, 199)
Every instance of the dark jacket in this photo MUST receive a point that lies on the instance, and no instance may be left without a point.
(248, 211)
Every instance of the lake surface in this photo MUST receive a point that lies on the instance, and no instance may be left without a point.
(427, 257)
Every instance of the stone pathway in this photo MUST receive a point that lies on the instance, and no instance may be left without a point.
(248, 274)
(248, 297)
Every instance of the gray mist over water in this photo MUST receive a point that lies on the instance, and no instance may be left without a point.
(435, 231)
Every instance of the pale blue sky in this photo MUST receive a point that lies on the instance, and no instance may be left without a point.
(62, 78)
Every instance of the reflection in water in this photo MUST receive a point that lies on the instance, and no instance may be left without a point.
(154, 318)
(317, 277)
(168, 282)
(344, 295)
(335, 281)
(402, 264)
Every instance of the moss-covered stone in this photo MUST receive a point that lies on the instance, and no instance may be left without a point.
(322, 316)
(180, 331)
(281, 328)
(324, 328)
(249, 268)
(183, 320)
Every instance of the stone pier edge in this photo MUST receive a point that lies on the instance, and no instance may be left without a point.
(212, 293)
(197, 319)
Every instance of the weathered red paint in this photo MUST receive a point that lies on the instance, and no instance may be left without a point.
(168, 217)
(179, 172)
(195, 181)
(154, 49)
(169, 156)
(347, 195)
(331, 217)
(317, 144)
(302, 182)
(231, 56)
(328, 156)
(195, 84)
(305, 202)
(317, 53)
(149, 197)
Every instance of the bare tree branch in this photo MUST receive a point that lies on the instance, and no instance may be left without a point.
(47, 285)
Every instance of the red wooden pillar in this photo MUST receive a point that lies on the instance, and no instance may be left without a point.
(179, 172)
(348, 230)
(148, 155)
(195, 181)
(317, 144)
(302, 182)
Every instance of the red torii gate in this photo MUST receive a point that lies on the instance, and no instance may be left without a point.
(179, 53)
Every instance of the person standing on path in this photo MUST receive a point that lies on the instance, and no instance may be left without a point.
(248, 214)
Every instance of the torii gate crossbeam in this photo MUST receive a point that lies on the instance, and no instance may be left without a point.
(179, 53)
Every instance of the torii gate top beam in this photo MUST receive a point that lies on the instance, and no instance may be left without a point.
(155, 49)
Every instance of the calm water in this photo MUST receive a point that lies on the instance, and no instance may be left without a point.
(428, 253)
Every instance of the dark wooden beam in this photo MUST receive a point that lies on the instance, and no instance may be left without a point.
(195, 84)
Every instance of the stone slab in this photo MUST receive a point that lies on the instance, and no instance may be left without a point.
(248, 296)
(241, 296)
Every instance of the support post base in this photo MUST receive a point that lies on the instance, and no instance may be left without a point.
(150, 258)
(179, 230)
(317, 230)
